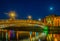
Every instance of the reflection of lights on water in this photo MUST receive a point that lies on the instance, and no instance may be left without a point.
(6, 35)
(37, 33)
(12, 34)
(2, 35)
(45, 30)
(37, 37)
(55, 39)
(33, 39)
(39, 40)
(30, 32)
(43, 34)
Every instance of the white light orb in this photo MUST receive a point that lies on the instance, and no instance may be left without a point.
(51, 8)
(39, 19)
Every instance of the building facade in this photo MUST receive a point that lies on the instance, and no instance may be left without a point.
(53, 21)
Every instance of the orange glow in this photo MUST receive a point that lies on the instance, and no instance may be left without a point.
(55, 39)
(56, 22)
(12, 14)
(17, 34)
(30, 37)
(9, 34)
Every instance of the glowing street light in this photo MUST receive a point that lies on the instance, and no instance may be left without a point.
(29, 17)
(12, 14)
(39, 19)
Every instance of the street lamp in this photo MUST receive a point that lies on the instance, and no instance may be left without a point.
(12, 14)
(39, 19)
(29, 17)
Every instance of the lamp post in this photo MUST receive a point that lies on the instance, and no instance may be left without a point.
(12, 14)
(29, 17)
(39, 19)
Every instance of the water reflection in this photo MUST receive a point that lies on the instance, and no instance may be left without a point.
(26, 36)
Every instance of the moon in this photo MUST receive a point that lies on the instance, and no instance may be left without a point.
(51, 8)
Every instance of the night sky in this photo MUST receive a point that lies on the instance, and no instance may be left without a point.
(35, 8)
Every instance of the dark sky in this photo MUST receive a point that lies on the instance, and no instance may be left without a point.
(35, 8)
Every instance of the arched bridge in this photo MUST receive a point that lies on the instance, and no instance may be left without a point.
(28, 27)
(25, 25)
